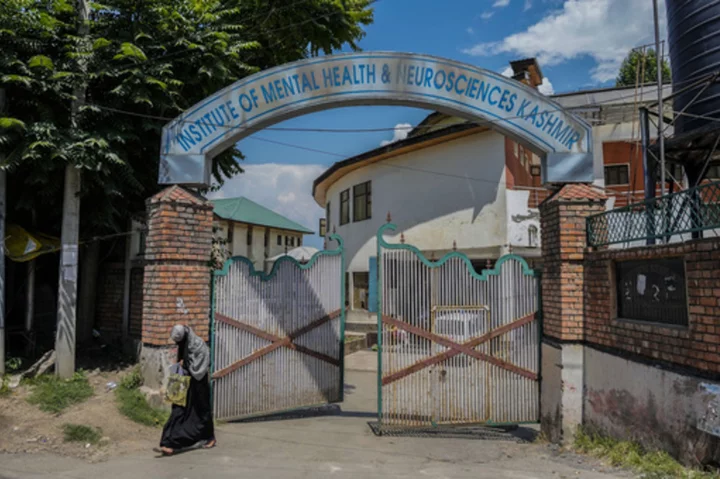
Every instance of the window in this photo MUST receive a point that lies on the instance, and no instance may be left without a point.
(345, 207)
(267, 238)
(142, 242)
(322, 228)
(249, 235)
(287, 241)
(533, 236)
(292, 241)
(231, 228)
(362, 202)
(652, 290)
(299, 241)
(535, 170)
(617, 175)
(279, 240)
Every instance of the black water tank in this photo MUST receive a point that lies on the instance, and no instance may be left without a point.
(694, 42)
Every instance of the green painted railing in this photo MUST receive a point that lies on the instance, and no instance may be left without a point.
(686, 212)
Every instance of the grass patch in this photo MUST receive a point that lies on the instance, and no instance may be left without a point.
(630, 455)
(133, 404)
(54, 395)
(351, 339)
(80, 433)
(5, 390)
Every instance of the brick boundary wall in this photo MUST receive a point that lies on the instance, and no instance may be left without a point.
(109, 313)
(696, 346)
(176, 286)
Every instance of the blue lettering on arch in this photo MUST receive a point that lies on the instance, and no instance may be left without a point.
(490, 98)
(450, 82)
(472, 88)
(269, 94)
(279, 89)
(327, 77)
(347, 78)
(483, 91)
(185, 140)
(559, 133)
(532, 117)
(306, 85)
(459, 90)
(193, 131)
(428, 77)
(289, 87)
(572, 140)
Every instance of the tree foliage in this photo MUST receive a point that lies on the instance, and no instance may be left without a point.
(154, 58)
(641, 67)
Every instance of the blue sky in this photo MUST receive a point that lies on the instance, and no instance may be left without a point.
(579, 44)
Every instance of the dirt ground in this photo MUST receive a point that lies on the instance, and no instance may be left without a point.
(27, 429)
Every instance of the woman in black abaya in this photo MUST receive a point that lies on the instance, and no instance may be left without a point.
(192, 425)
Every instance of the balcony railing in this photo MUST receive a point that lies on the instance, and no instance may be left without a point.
(675, 217)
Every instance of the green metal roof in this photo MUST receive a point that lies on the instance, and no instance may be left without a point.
(245, 211)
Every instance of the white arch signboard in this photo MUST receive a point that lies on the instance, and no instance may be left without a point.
(191, 141)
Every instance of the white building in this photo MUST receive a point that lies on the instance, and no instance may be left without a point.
(451, 182)
(256, 232)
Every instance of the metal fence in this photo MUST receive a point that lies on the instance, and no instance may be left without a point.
(671, 218)
(278, 338)
(455, 347)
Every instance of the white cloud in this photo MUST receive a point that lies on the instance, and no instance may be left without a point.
(528, 5)
(546, 87)
(487, 15)
(400, 133)
(285, 189)
(605, 30)
(470, 30)
(501, 3)
(508, 72)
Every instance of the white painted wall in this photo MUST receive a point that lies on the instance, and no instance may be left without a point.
(520, 220)
(454, 191)
(257, 251)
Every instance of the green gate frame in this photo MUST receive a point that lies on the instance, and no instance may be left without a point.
(338, 251)
(382, 244)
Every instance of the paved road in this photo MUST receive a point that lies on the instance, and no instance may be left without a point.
(337, 446)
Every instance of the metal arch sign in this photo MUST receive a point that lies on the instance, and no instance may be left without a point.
(191, 141)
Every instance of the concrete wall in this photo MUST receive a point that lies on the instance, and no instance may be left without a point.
(521, 222)
(454, 191)
(655, 407)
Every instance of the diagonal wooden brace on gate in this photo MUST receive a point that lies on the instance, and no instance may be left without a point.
(276, 342)
(458, 348)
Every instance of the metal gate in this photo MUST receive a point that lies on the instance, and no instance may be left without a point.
(278, 339)
(455, 347)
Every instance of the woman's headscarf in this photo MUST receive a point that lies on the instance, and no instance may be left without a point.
(198, 354)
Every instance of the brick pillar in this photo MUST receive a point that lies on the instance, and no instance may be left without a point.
(562, 218)
(176, 283)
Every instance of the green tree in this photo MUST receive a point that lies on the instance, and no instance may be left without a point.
(154, 58)
(641, 67)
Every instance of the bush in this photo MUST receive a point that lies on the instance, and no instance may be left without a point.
(133, 404)
(54, 395)
(649, 464)
(80, 433)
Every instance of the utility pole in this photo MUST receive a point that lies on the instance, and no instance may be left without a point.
(661, 106)
(3, 207)
(67, 282)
